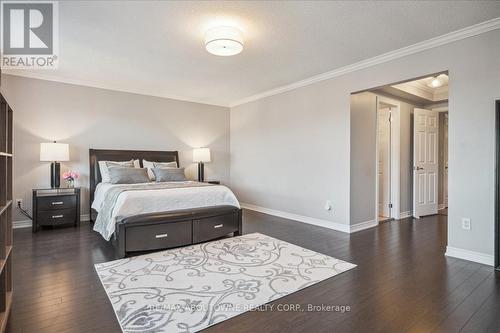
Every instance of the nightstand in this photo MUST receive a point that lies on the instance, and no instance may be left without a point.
(57, 206)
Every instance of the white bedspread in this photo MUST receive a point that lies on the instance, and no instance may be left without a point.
(135, 202)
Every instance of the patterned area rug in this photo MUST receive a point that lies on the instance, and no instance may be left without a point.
(188, 289)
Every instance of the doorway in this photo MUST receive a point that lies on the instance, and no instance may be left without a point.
(395, 136)
(387, 159)
(384, 163)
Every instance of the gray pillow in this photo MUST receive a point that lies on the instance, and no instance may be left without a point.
(121, 175)
(169, 174)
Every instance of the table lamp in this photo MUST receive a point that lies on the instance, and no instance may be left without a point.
(201, 155)
(54, 152)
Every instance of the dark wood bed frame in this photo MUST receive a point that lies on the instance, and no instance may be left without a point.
(162, 230)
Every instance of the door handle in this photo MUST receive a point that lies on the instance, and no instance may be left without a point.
(417, 168)
(57, 216)
(218, 226)
(57, 203)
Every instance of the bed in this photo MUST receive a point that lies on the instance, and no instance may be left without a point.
(149, 216)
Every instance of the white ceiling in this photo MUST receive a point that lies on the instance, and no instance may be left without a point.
(157, 47)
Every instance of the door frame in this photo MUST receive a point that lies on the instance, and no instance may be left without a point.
(395, 174)
(446, 163)
(497, 184)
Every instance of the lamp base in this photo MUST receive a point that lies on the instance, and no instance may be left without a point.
(201, 172)
(55, 175)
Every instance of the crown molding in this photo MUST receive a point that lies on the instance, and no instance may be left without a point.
(421, 86)
(421, 90)
(415, 88)
(454, 36)
(91, 84)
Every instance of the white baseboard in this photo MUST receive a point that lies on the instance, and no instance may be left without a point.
(362, 226)
(479, 257)
(21, 224)
(301, 218)
(406, 214)
(28, 223)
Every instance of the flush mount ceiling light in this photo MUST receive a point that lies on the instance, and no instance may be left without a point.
(436, 82)
(224, 41)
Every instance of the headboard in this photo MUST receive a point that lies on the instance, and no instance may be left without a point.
(96, 155)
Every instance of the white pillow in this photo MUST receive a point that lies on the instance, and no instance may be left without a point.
(150, 165)
(105, 165)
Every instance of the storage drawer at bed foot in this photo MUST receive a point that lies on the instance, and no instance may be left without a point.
(161, 236)
(214, 227)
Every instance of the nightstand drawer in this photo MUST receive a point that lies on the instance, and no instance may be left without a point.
(56, 217)
(56, 202)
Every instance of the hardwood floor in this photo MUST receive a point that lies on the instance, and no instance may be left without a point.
(403, 282)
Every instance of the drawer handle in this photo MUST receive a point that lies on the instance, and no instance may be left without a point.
(57, 216)
(218, 226)
(57, 203)
(161, 236)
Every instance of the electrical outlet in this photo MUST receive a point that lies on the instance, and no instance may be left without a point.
(328, 205)
(466, 223)
(19, 202)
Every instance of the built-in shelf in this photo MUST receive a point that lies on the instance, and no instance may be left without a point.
(4, 207)
(6, 247)
(8, 250)
(4, 316)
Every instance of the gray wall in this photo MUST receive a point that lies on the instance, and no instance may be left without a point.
(363, 152)
(291, 151)
(406, 157)
(363, 172)
(96, 118)
(288, 151)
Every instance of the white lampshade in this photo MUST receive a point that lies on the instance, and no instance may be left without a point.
(54, 152)
(224, 41)
(201, 155)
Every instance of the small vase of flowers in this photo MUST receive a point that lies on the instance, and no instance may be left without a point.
(70, 177)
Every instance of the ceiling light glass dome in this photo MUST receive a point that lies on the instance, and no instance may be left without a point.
(224, 41)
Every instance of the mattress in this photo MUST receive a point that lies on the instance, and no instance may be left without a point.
(140, 201)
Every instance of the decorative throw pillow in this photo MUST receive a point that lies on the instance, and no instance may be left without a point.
(169, 174)
(105, 165)
(124, 175)
(150, 165)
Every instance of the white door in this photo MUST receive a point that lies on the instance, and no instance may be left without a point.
(384, 162)
(425, 160)
(445, 173)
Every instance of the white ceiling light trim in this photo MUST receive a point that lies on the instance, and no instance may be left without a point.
(224, 41)
(451, 37)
